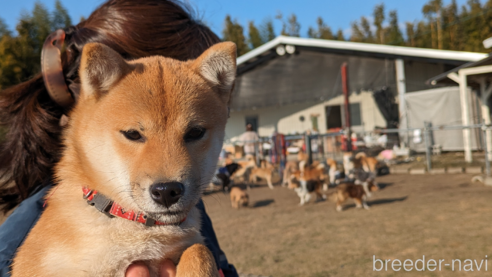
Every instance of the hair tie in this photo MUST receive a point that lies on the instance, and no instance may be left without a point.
(52, 70)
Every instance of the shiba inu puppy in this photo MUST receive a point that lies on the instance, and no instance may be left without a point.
(239, 198)
(141, 144)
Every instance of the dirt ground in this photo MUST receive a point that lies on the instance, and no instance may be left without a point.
(439, 216)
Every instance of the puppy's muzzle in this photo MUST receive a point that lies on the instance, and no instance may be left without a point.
(167, 194)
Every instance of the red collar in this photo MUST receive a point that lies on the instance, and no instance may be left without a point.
(112, 209)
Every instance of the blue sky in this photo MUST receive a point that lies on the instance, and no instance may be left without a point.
(337, 14)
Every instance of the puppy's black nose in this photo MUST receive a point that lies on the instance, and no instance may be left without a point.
(166, 193)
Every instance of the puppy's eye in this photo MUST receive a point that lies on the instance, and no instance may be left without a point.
(132, 135)
(194, 134)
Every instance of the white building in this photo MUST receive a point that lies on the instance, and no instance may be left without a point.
(294, 84)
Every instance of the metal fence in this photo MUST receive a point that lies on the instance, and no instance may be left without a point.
(422, 154)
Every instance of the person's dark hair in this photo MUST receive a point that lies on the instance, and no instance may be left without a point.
(132, 28)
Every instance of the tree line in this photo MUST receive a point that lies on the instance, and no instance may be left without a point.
(20, 54)
(449, 27)
(443, 26)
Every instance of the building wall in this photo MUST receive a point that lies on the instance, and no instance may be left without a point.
(416, 73)
(285, 119)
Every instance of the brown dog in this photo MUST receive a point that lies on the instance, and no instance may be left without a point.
(263, 173)
(305, 184)
(290, 168)
(239, 198)
(142, 142)
(368, 164)
(347, 190)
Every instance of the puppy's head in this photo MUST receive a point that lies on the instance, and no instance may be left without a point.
(373, 185)
(243, 199)
(147, 133)
(232, 168)
(294, 180)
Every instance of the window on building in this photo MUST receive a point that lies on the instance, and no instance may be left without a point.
(333, 117)
(355, 115)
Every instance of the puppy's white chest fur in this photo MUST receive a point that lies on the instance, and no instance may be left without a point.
(111, 245)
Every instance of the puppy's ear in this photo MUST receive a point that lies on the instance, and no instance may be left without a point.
(218, 66)
(100, 69)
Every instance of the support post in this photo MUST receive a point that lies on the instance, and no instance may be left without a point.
(345, 87)
(309, 152)
(484, 95)
(402, 89)
(465, 116)
(428, 146)
(486, 150)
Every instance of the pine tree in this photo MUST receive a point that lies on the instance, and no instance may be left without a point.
(254, 39)
(340, 35)
(267, 31)
(422, 36)
(433, 7)
(378, 23)
(233, 31)
(366, 28)
(323, 31)
(4, 29)
(293, 27)
(393, 33)
(60, 16)
(20, 55)
(410, 33)
(357, 34)
(362, 32)
(451, 29)
(471, 19)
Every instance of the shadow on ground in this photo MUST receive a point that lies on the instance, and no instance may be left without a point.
(263, 203)
(378, 202)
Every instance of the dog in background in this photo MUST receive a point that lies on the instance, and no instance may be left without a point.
(223, 176)
(347, 190)
(304, 184)
(265, 172)
(239, 198)
(333, 173)
(290, 167)
(368, 164)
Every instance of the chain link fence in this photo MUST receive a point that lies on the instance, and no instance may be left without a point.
(431, 149)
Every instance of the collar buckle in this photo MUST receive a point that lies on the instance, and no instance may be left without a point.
(149, 221)
(101, 203)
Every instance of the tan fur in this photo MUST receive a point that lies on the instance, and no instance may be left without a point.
(295, 183)
(301, 156)
(239, 198)
(331, 173)
(331, 163)
(348, 190)
(290, 167)
(197, 260)
(368, 164)
(263, 173)
(315, 171)
(162, 99)
(239, 175)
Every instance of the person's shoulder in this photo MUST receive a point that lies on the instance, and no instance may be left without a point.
(16, 227)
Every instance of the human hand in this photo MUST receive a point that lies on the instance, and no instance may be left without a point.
(139, 269)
